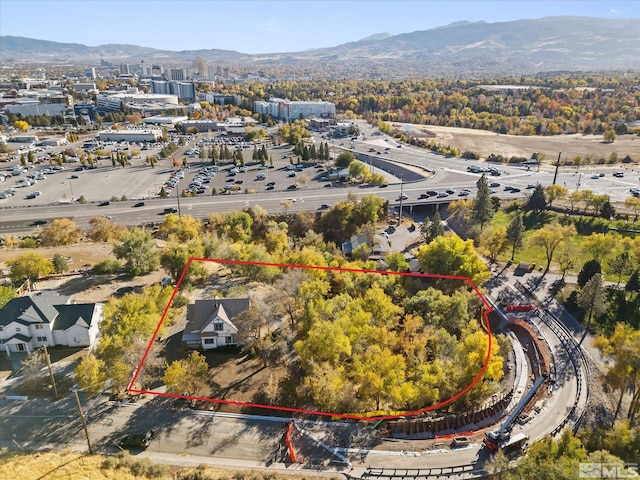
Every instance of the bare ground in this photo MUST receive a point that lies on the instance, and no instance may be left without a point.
(485, 143)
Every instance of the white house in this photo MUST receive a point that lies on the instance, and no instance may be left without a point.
(46, 318)
(209, 322)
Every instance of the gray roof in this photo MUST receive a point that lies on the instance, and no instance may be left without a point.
(70, 314)
(40, 307)
(199, 313)
(19, 336)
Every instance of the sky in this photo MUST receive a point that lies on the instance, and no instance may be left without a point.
(267, 26)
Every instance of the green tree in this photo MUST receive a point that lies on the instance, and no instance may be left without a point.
(176, 255)
(550, 237)
(357, 170)
(6, 293)
(396, 262)
(494, 242)
(29, 266)
(137, 248)
(537, 202)
(610, 136)
(432, 228)
(187, 376)
(589, 269)
(91, 374)
(593, 298)
(60, 264)
(481, 207)
(515, 234)
(344, 159)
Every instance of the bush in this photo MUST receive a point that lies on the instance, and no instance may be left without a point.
(107, 266)
(179, 301)
(82, 200)
(28, 242)
(115, 199)
(471, 155)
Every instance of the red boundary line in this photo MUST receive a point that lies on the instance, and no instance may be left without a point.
(447, 401)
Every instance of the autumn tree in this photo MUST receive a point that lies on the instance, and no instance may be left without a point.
(137, 248)
(183, 228)
(61, 231)
(188, 375)
(633, 204)
(599, 246)
(555, 192)
(494, 242)
(550, 237)
(91, 374)
(29, 266)
(450, 255)
(102, 229)
(175, 256)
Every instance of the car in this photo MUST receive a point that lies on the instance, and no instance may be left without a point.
(291, 174)
(618, 174)
(141, 440)
(139, 204)
(104, 204)
(262, 167)
(40, 222)
(243, 169)
(171, 210)
(31, 196)
(507, 188)
(442, 195)
(271, 184)
(292, 200)
(324, 206)
(450, 191)
(383, 185)
(463, 193)
(399, 146)
(293, 186)
(73, 177)
(269, 187)
(494, 184)
(595, 176)
(424, 195)
(403, 197)
(515, 190)
(78, 169)
(432, 193)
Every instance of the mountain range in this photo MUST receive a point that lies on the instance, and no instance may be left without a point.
(515, 47)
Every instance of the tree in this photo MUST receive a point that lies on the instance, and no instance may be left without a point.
(593, 298)
(610, 136)
(60, 264)
(555, 192)
(633, 284)
(136, 247)
(481, 208)
(188, 375)
(550, 237)
(537, 201)
(589, 269)
(432, 228)
(103, 229)
(396, 262)
(344, 159)
(176, 255)
(29, 266)
(357, 169)
(91, 375)
(450, 255)
(515, 234)
(599, 246)
(21, 125)
(61, 231)
(494, 242)
(633, 204)
(184, 227)
(7, 292)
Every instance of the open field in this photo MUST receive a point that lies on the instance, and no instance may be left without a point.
(485, 143)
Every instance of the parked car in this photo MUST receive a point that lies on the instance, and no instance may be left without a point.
(104, 204)
(139, 204)
(618, 174)
(141, 440)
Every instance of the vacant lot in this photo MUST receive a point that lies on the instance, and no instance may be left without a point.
(486, 143)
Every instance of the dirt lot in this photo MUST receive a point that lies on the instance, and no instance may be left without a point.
(486, 143)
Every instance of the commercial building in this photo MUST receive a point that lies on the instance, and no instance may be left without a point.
(203, 125)
(185, 91)
(112, 101)
(284, 109)
(149, 135)
(164, 119)
(219, 98)
(36, 108)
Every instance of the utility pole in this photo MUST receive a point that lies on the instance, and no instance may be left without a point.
(53, 380)
(401, 198)
(84, 422)
(178, 198)
(555, 175)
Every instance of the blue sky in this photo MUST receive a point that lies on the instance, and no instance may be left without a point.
(266, 26)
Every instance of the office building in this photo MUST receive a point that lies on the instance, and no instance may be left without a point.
(284, 109)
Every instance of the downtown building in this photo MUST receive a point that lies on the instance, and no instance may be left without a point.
(287, 110)
(185, 91)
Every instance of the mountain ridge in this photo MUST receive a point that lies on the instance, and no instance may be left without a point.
(545, 44)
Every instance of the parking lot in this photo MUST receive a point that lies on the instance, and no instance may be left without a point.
(138, 180)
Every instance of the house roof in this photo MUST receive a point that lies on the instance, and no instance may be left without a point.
(72, 313)
(40, 307)
(19, 337)
(202, 312)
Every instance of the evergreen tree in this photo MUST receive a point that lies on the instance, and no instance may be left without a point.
(633, 284)
(481, 208)
(589, 269)
(537, 202)
(515, 234)
(593, 298)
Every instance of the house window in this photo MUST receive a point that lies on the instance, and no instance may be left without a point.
(39, 327)
(229, 340)
(218, 327)
(17, 329)
(209, 341)
(41, 339)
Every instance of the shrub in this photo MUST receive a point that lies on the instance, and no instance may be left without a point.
(107, 266)
(179, 301)
(28, 242)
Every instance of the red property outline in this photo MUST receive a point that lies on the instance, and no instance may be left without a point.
(475, 380)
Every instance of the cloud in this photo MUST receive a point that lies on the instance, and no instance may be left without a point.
(614, 11)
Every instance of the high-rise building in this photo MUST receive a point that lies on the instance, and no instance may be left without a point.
(124, 69)
(177, 74)
(199, 68)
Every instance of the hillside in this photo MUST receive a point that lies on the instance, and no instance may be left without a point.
(546, 44)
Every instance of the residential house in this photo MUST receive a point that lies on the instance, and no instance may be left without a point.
(209, 322)
(46, 318)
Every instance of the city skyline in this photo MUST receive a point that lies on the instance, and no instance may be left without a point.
(269, 26)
